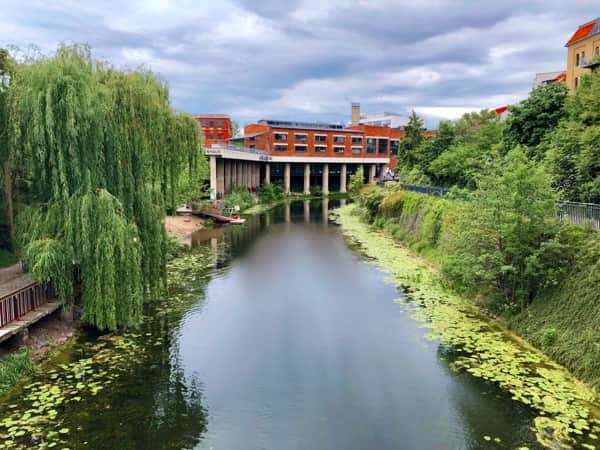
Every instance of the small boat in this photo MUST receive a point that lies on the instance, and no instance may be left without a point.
(184, 210)
(227, 215)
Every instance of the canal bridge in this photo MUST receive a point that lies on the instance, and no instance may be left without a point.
(233, 167)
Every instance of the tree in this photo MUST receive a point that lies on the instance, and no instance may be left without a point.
(534, 117)
(573, 152)
(357, 181)
(98, 154)
(6, 70)
(413, 137)
(503, 238)
(430, 149)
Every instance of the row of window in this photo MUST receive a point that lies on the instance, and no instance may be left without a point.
(303, 148)
(318, 138)
(216, 123)
(580, 57)
(213, 136)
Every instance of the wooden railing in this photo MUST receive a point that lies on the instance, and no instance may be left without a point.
(18, 303)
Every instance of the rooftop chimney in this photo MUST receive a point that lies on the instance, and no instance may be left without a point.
(355, 117)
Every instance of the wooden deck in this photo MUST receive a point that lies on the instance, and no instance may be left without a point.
(16, 326)
(22, 301)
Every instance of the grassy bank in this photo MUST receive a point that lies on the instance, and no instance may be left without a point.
(13, 366)
(482, 347)
(563, 318)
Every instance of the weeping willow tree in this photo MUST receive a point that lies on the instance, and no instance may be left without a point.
(99, 153)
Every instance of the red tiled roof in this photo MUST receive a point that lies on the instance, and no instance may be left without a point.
(582, 32)
(501, 109)
(561, 77)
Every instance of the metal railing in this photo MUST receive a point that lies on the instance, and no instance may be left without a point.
(584, 214)
(16, 304)
(587, 214)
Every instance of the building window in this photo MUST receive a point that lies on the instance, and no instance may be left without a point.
(320, 138)
(356, 150)
(219, 125)
(338, 149)
(382, 145)
(211, 136)
(252, 138)
(300, 148)
(582, 58)
(301, 137)
(577, 60)
(211, 124)
(280, 137)
(597, 51)
(339, 139)
(280, 147)
(576, 82)
(370, 145)
(357, 140)
(252, 146)
(394, 146)
(320, 148)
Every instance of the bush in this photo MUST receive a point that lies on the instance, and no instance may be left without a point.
(357, 181)
(239, 197)
(548, 336)
(270, 193)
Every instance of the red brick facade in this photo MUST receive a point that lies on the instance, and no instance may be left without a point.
(290, 139)
(216, 128)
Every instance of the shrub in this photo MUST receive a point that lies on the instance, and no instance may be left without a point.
(270, 193)
(548, 336)
(357, 180)
(12, 367)
(239, 197)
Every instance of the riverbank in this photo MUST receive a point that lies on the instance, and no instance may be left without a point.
(567, 409)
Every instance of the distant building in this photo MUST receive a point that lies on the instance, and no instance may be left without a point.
(216, 128)
(583, 55)
(546, 78)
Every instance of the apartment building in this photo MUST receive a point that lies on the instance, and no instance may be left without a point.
(583, 52)
(216, 128)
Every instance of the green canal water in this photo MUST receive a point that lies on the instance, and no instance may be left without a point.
(275, 335)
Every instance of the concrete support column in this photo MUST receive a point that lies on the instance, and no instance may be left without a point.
(343, 176)
(227, 163)
(372, 172)
(256, 174)
(233, 174)
(267, 173)
(220, 176)
(325, 179)
(248, 172)
(213, 177)
(286, 178)
(307, 179)
(325, 211)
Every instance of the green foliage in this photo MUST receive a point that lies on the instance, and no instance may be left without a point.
(413, 137)
(413, 175)
(530, 120)
(504, 239)
(458, 166)
(7, 258)
(47, 259)
(356, 181)
(271, 192)
(573, 149)
(98, 154)
(239, 197)
(548, 336)
(12, 367)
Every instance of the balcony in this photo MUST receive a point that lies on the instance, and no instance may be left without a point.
(592, 64)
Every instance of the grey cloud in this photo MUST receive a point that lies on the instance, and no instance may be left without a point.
(307, 59)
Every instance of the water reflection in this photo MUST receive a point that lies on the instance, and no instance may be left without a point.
(301, 346)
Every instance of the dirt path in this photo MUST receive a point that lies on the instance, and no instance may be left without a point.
(182, 227)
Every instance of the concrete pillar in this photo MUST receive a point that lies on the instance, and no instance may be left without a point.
(227, 163)
(286, 178)
(233, 174)
(307, 179)
(325, 179)
(256, 174)
(240, 174)
(307, 211)
(342, 202)
(372, 171)
(267, 173)
(213, 177)
(248, 181)
(220, 176)
(343, 179)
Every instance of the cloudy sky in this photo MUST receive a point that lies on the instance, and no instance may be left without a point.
(308, 59)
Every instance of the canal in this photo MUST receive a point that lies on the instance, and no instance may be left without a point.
(290, 340)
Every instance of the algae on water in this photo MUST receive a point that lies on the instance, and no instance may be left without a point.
(566, 408)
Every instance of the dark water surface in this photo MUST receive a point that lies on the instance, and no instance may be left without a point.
(296, 342)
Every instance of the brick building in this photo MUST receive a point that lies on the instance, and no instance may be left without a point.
(216, 128)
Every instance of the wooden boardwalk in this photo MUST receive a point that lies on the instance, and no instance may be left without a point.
(22, 301)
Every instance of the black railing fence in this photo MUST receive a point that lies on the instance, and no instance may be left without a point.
(585, 214)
